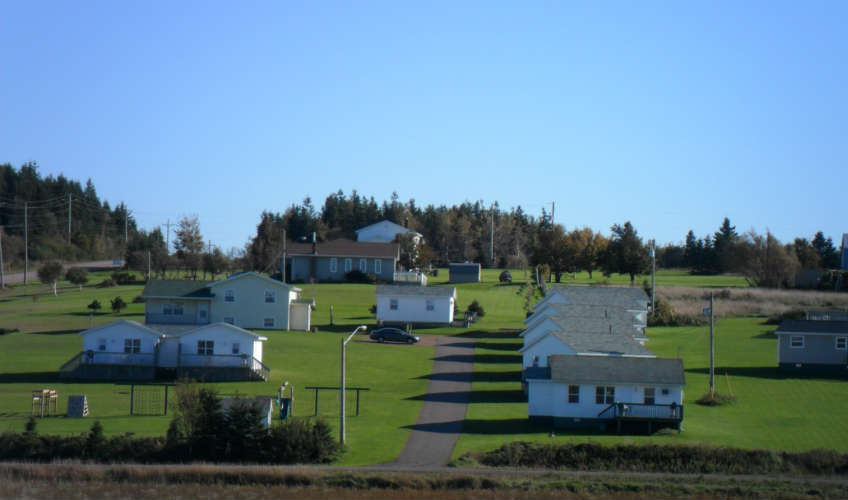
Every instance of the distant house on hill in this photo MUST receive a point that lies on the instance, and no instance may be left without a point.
(624, 393)
(398, 304)
(332, 260)
(247, 300)
(385, 231)
(813, 346)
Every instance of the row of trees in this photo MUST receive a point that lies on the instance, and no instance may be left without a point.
(39, 209)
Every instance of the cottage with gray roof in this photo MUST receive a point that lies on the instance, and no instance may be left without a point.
(579, 391)
(581, 343)
(431, 305)
(813, 346)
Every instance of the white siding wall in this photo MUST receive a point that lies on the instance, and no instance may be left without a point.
(224, 338)
(544, 348)
(551, 398)
(249, 308)
(257, 350)
(413, 309)
(115, 335)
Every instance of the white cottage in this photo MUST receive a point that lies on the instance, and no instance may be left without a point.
(583, 343)
(120, 342)
(604, 391)
(385, 231)
(401, 304)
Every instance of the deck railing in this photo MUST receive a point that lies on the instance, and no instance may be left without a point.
(642, 411)
(410, 277)
(226, 360)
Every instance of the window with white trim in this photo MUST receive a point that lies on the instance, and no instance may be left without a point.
(363, 265)
(132, 346)
(393, 304)
(430, 305)
(650, 396)
(229, 319)
(604, 395)
(178, 309)
(236, 348)
(573, 393)
(378, 266)
(205, 347)
(348, 265)
(796, 342)
(270, 296)
(842, 343)
(268, 322)
(229, 295)
(334, 264)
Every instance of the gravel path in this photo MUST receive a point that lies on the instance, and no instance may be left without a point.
(439, 424)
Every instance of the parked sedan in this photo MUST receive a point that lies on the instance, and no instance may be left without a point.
(393, 335)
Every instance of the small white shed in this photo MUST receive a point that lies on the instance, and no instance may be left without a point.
(415, 304)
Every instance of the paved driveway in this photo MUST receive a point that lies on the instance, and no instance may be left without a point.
(439, 424)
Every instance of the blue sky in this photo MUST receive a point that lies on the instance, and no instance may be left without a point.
(672, 115)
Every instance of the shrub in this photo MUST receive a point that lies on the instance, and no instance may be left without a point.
(118, 304)
(95, 306)
(357, 276)
(302, 441)
(77, 276)
(775, 319)
(138, 299)
(664, 315)
(373, 309)
(106, 283)
(505, 276)
(123, 278)
(476, 308)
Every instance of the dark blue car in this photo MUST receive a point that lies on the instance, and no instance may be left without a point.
(389, 334)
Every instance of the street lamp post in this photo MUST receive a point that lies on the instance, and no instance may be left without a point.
(342, 384)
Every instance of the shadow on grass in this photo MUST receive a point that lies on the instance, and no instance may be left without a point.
(504, 426)
(477, 376)
(766, 335)
(500, 346)
(30, 377)
(481, 358)
(505, 396)
(768, 372)
(504, 333)
(55, 332)
(87, 314)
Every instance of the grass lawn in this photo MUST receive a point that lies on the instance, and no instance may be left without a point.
(772, 410)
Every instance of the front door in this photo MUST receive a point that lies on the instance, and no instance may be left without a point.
(202, 313)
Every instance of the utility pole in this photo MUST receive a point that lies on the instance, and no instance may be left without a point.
(168, 237)
(2, 273)
(492, 241)
(712, 349)
(342, 385)
(653, 272)
(148, 264)
(69, 218)
(553, 208)
(26, 246)
(283, 260)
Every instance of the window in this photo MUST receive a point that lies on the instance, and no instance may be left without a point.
(573, 393)
(205, 347)
(796, 342)
(101, 344)
(334, 265)
(132, 346)
(665, 392)
(236, 347)
(842, 343)
(363, 265)
(604, 395)
(167, 309)
(268, 322)
(229, 296)
(378, 266)
(650, 394)
(348, 265)
(230, 320)
(270, 297)
(178, 309)
(430, 305)
(393, 304)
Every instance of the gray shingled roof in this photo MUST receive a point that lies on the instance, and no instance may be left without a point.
(788, 326)
(422, 291)
(188, 289)
(346, 248)
(585, 324)
(593, 342)
(603, 295)
(593, 311)
(616, 370)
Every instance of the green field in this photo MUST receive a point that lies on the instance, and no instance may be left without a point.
(771, 411)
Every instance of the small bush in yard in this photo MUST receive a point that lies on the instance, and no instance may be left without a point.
(505, 276)
(476, 308)
(357, 276)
